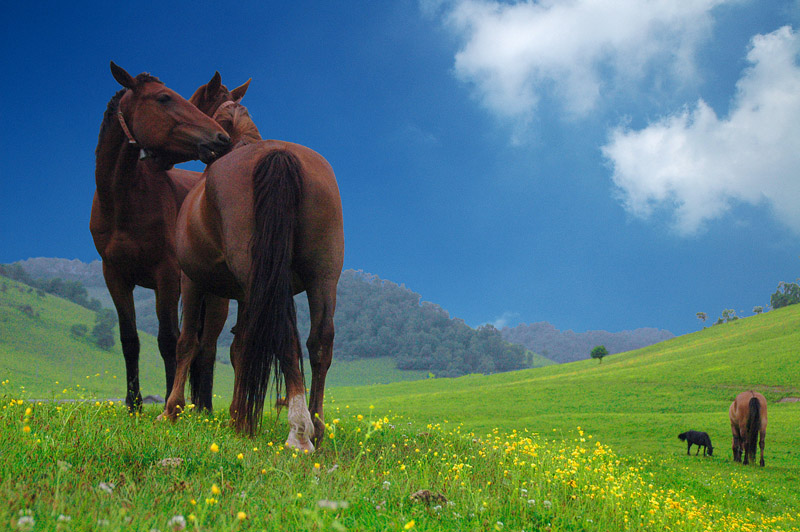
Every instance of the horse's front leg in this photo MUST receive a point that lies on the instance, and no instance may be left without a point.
(168, 292)
(122, 295)
(201, 375)
(187, 347)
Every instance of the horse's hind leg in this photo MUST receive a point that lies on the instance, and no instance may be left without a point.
(187, 347)
(761, 439)
(301, 427)
(201, 373)
(322, 305)
(122, 295)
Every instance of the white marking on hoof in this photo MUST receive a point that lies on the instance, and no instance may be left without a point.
(302, 428)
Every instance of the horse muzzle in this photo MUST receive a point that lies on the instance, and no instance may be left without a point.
(212, 150)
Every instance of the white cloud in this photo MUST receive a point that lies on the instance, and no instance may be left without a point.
(700, 165)
(574, 50)
(505, 320)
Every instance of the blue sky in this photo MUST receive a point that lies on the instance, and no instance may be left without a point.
(599, 165)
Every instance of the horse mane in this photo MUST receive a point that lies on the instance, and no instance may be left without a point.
(146, 77)
(242, 128)
(110, 115)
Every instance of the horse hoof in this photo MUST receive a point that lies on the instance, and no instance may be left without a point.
(301, 444)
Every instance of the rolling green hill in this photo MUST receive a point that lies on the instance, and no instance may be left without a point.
(637, 401)
(38, 351)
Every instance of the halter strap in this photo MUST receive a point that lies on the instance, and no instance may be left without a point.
(143, 153)
(127, 131)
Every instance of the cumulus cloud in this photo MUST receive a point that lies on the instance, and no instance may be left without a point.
(505, 320)
(698, 166)
(573, 50)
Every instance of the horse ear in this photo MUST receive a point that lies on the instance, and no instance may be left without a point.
(212, 87)
(238, 92)
(122, 76)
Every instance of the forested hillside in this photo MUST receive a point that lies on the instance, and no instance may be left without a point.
(569, 346)
(374, 318)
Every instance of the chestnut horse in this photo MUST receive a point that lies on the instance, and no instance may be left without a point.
(265, 224)
(146, 128)
(214, 312)
(748, 414)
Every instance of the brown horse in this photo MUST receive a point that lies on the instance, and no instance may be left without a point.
(265, 224)
(748, 414)
(146, 129)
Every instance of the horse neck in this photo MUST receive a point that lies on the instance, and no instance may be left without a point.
(116, 171)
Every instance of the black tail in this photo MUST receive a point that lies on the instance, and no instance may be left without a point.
(753, 427)
(270, 324)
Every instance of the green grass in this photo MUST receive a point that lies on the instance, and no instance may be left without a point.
(597, 442)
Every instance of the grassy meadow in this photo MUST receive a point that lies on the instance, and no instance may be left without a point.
(582, 446)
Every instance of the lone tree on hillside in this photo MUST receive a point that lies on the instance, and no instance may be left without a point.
(103, 331)
(599, 352)
(787, 294)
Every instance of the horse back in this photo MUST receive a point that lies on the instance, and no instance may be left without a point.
(739, 411)
(319, 240)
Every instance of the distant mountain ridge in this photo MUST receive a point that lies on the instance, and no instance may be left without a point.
(568, 346)
(375, 318)
(542, 338)
(90, 274)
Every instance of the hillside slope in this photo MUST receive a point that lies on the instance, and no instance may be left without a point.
(637, 401)
(38, 351)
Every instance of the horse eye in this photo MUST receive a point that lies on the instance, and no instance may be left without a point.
(163, 98)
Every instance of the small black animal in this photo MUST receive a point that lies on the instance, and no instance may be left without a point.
(701, 439)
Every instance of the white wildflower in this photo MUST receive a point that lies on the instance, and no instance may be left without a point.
(26, 522)
(178, 522)
(333, 505)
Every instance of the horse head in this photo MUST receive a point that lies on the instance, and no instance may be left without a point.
(162, 122)
(210, 96)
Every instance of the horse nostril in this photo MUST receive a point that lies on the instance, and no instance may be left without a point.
(222, 138)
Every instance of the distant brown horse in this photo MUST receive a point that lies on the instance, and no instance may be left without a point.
(265, 224)
(748, 414)
(146, 128)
